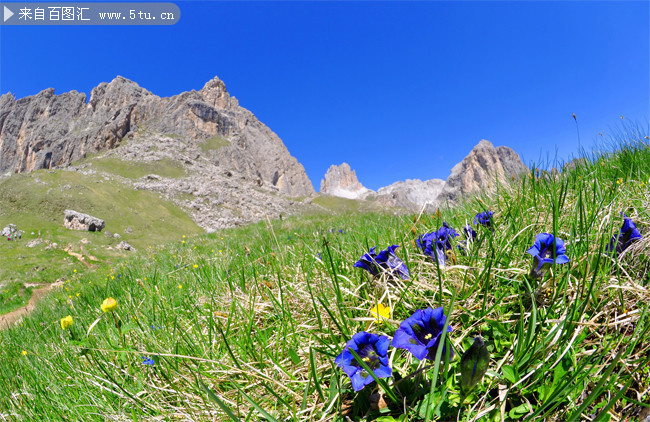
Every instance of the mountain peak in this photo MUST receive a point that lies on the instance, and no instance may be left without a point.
(342, 181)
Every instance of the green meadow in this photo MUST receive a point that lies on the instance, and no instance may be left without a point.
(246, 323)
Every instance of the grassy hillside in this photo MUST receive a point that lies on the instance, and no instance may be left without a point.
(36, 201)
(247, 323)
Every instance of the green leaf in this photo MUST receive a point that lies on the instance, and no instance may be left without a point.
(520, 411)
(510, 374)
(400, 418)
(294, 356)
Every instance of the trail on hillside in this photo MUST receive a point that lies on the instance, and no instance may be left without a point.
(10, 318)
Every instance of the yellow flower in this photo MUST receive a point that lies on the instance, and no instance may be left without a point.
(77, 294)
(180, 286)
(183, 236)
(74, 271)
(196, 266)
(380, 312)
(24, 352)
(66, 322)
(109, 305)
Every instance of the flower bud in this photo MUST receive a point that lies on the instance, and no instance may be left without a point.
(473, 365)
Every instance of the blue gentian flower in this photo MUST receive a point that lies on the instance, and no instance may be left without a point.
(373, 350)
(470, 235)
(469, 232)
(626, 236)
(148, 361)
(435, 244)
(386, 260)
(420, 333)
(544, 255)
(320, 256)
(484, 219)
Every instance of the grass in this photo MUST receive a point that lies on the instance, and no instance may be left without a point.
(214, 143)
(137, 169)
(13, 295)
(346, 206)
(36, 201)
(246, 323)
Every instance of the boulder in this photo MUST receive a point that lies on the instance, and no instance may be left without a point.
(9, 230)
(125, 246)
(78, 221)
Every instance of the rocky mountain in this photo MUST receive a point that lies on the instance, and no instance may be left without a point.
(342, 181)
(411, 194)
(48, 130)
(482, 168)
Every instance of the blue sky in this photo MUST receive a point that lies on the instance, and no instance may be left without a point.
(396, 89)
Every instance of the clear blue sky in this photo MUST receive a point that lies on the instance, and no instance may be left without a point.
(397, 90)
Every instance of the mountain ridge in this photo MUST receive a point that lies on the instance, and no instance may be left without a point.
(483, 165)
(47, 130)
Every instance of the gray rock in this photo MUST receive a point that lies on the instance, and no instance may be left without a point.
(342, 181)
(48, 130)
(74, 220)
(9, 230)
(117, 236)
(125, 246)
(34, 242)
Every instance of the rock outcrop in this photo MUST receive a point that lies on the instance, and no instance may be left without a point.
(74, 220)
(48, 130)
(342, 181)
(482, 168)
(411, 194)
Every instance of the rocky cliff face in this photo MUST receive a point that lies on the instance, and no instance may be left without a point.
(342, 181)
(48, 130)
(482, 168)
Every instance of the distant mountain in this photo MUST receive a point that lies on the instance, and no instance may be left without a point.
(48, 130)
(342, 181)
(411, 194)
(484, 166)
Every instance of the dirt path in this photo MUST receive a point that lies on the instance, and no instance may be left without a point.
(10, 318)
